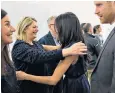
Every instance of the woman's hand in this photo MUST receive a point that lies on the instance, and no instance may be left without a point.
(21, 75)
(76, 49)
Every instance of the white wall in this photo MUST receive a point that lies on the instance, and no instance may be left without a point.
(41, 10)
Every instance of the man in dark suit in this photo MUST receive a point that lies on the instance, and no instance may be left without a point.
(51, 39)
(93, 46)
(103, 76)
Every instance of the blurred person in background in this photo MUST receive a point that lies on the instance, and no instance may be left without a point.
(93, 47)
(51, 39)
(97, 32)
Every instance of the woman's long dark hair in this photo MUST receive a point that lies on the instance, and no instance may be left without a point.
(68, 27)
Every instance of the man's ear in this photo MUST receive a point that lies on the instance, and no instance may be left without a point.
(49, 27)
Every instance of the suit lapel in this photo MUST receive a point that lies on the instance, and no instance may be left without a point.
(50, 38)
(106, 42)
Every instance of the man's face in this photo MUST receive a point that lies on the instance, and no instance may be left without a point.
(105, 11)
(51, 27)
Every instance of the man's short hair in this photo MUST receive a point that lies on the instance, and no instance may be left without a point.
(95, 28)
(50, 18)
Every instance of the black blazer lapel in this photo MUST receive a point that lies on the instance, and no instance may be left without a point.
(50, 38)
(106, 42)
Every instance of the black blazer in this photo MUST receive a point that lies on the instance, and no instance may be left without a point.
(47, 40)
(30, 58)
(49, 68)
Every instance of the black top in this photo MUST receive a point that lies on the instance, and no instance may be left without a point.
(75, 80)
(30, 58)
(77, 69)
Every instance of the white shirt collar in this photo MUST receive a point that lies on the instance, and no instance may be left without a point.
(109, 29)
(56, 41)
(112, 26)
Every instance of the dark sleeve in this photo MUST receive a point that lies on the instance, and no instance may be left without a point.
(97, 47)
(42, 41)
(27, 54)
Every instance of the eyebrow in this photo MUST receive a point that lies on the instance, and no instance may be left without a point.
(7, 21)
(99, 4)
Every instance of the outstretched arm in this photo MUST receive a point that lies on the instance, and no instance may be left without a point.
(22, 51)
(50, 80)
(50, 47)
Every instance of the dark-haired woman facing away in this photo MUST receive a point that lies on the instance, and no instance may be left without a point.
(75, 80)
